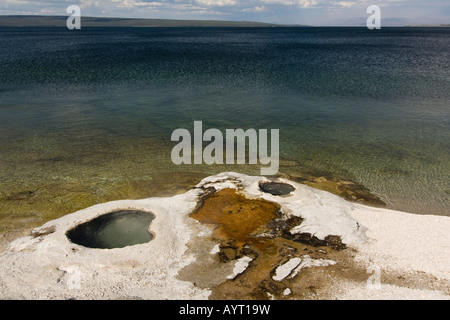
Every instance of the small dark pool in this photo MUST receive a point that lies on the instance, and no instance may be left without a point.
(276, 188)
(117, 229)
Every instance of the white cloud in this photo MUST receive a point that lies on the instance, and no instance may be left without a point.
(300, 3)
(217, 3)
(255, 9)
(18, 2)
(346, 4)
(282, 2)
(148, 4)
(357, 3)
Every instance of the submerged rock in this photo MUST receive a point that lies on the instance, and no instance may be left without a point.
(23, 195)
(348, 190)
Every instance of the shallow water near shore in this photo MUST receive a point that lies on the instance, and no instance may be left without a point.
(87, 117)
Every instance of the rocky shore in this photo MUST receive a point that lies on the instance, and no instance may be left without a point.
(234, 236)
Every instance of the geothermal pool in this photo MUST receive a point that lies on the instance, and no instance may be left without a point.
(116, 229)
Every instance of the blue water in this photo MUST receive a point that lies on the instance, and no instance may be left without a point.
(100, 104)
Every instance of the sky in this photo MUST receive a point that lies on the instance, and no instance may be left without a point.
(308, 12)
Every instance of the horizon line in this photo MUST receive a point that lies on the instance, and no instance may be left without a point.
(263, 24)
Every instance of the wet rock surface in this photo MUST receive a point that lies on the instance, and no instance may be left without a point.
(259, 230)
(349, 190)
(276, 188)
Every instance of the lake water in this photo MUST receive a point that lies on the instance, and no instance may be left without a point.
(84, 113)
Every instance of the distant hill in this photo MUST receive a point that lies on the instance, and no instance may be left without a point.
(60, 21)
(431, 25)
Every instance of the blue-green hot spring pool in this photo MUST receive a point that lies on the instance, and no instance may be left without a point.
(117, 229)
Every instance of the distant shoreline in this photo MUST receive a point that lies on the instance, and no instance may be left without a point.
(429, 26)
(60, 21)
